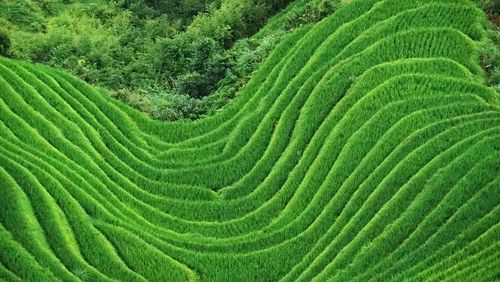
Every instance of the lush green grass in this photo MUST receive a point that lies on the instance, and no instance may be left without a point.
(366, 147)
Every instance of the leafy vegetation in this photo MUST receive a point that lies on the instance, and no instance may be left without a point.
(365, 147)
(490, 48)
(144, 51)
(5, 43)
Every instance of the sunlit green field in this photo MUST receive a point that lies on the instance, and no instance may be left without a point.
(365, 148)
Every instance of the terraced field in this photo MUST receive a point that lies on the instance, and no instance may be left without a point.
(365, 148)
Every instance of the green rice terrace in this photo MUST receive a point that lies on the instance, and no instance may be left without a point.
(366, 147)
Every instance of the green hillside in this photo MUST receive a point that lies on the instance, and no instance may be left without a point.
(365, 148)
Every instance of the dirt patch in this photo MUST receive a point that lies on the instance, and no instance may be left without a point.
(494, 19)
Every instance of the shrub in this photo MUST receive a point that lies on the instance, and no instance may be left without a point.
(490, 6)
(5, 43)
(490, 47)
(166, 105)
(312, 12)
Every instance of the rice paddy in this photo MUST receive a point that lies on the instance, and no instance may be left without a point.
(365, 148)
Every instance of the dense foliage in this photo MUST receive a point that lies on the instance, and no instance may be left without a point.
(151, 54)
(4, 44)
(490, 48)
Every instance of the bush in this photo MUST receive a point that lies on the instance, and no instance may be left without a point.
(490, 48)
(312, 12)
(166, 105)
(490, 6)
(5, 43)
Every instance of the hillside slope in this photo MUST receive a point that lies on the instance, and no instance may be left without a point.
(365, 148)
